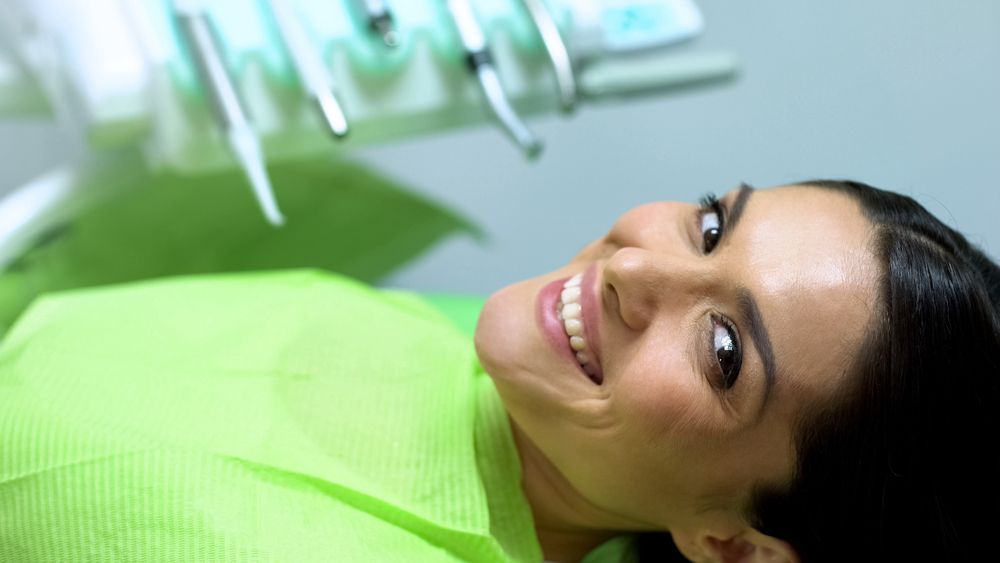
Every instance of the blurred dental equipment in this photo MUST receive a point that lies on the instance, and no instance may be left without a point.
(480, 60)
(209, 85)
(379, 20)
(558, 55)
(309, 66)
(199, 38)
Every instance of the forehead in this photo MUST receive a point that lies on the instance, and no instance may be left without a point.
(808, 261)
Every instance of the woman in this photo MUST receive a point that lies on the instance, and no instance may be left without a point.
(803, 373)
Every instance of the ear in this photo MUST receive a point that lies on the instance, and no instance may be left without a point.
(747, 546)
(750, 546)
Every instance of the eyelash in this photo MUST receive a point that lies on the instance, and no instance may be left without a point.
(725, 381)
(709, 202)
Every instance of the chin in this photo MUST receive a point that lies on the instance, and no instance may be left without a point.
(503, 333)
(515, 353)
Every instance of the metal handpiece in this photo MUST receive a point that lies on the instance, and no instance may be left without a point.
(480, 62)
(201, 41)
(309, 66)
(557, 53)
(379, 20)
(523, 136)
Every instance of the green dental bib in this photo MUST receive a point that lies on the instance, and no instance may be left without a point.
(294, 417)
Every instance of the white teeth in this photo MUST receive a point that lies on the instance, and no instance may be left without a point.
(571, 311)
(570, 294)
(573, 327)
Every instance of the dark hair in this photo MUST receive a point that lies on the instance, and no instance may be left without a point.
(903, 465)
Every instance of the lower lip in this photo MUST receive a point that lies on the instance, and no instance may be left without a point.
(552, 327)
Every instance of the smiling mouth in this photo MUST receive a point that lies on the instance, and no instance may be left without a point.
(569, 313)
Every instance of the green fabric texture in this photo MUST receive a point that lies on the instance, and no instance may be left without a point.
(285, 417)
(265, 417)
(461, 310)
(341, 217)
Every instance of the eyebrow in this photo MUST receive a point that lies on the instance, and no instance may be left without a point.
(736, 211)
(761, 340)
(748, 304)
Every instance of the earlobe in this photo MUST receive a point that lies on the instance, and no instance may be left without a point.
(732, 550)
(750, 546)
(746, 546)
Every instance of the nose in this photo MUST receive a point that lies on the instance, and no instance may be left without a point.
(657, 267)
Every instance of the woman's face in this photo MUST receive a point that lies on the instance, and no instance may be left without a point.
(704, 333)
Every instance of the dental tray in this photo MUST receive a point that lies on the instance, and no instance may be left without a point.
(122, 72)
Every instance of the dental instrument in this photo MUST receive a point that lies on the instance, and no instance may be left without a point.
(119, 70)
(480, 61)
(315, 79)
(558, 54)
(130, 77)
(379, 19)
(199, 36)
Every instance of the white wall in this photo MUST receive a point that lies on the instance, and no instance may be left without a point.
(901, 94)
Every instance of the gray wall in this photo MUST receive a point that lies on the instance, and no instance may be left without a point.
(902, 94)
(29, 148)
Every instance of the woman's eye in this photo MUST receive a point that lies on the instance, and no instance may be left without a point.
(728, 354)
(713, 223)
(710, 231)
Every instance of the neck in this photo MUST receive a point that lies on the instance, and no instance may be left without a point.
(567, 525)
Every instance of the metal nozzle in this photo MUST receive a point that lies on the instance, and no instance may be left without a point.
(480, 62)
(380, 20)
(315, 79)
(558, 54)
(200, 37)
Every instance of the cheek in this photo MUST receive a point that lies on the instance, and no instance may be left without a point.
(591, 251)
(647, 224)
(496, 327)
(661, 396)
(506, 337)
